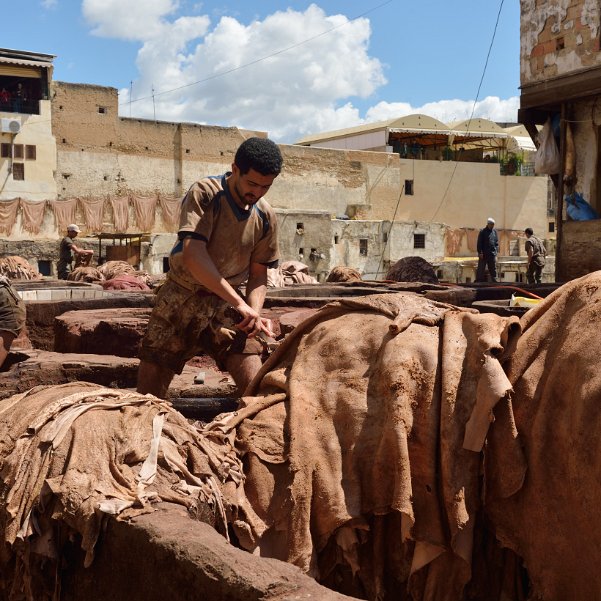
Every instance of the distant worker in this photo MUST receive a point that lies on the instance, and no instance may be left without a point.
(227, 234)
(488, 249)
(68, 251)
(536, 257)
(12, 316)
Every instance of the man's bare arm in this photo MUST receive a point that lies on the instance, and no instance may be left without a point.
(199, 263)
(81, 251)
(256, 289)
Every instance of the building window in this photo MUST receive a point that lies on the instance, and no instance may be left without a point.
(419, 240)
(18, 151)
(5, 151)
(102, 110)
(336, 239)
(30, 152)
(45, 267)
(551, 225)
(19, 171)
(408, 187)
(363, 247)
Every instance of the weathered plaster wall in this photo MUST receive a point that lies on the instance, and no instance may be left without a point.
(102, 153)
(322, 243)
(581, 249)
(581, 240)
(476, 191)
(585, 123)
(39, 182)
(335, 181)
(558, 37)
(383, 244)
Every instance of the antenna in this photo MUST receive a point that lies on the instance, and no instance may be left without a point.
(153, 106)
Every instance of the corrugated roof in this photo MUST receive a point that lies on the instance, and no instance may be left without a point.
(25, 62)
(462, 131)
(341, 133)
(26, 55)
(480, 128)
(418, 122)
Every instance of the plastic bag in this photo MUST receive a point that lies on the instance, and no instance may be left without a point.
(547, 159)
(578, 209)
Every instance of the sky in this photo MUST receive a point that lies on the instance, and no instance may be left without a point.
(291, 68)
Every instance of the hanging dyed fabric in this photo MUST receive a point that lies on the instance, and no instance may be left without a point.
(93, 212)
(145, 207)
(8, 215)
(170, 212)
(32, 215)
(472, 239)
(120, 205)
(64, 212)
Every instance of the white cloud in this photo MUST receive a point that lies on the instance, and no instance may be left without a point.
(128, 19)
(49, 4)
(264, 75)
(447, 111)
(291, 74)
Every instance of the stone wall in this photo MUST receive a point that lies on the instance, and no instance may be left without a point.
(100, 153)
(581, 249)
(558, 37)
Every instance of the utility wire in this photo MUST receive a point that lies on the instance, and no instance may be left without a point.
(263, 58)
(473, 109)
(398, 202)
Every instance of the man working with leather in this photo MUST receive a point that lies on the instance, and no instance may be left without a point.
(227, 236)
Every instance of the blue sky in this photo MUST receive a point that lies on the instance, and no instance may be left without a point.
(289, 68)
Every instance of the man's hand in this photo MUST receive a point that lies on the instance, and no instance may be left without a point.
(252, 323)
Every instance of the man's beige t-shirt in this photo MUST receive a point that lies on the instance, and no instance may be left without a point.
(235, 237)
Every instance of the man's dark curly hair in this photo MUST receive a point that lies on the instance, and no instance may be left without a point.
(259, 154)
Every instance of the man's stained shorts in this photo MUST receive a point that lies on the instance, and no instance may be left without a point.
(185, 323)
(12, 310)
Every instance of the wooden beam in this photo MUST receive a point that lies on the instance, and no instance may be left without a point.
(550, 93)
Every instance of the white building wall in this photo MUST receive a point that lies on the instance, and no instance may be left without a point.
(39, 182)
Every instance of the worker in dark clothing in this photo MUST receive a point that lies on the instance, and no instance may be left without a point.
(488, 249)
(536, 257)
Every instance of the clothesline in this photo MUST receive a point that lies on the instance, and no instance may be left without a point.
(92, 210)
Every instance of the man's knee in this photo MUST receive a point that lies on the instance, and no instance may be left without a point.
(154, 379)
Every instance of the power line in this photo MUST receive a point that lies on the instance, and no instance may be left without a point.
(259, 60)
(388, 235)
(473, 108)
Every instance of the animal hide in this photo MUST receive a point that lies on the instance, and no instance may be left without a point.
(120, 206)
(8, 215)
(64, 212)
(170, 212)
(93, 211)
(72, 454)
(32, 215)
(361, 438)
(543, 461)
(144, 208)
